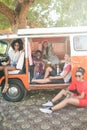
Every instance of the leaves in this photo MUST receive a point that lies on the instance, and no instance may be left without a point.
(58, 13)
(50, 13)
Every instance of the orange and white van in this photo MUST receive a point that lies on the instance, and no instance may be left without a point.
(71, 40)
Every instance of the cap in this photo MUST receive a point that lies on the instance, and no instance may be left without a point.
(80, 69)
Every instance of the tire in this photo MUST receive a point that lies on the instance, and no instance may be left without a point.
(15, 92)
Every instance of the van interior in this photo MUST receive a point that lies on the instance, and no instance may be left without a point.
(60, 45)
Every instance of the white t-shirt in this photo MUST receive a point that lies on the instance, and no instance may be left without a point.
(67, 67)
(14, 56)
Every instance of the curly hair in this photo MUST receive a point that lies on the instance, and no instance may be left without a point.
(20, 42)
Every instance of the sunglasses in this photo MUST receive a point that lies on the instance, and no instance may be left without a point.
(16, 45)
(78, 76)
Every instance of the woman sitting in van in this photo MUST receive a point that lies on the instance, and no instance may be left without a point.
(14, 54)
(64, 76)
(48, 53)
(50, 58)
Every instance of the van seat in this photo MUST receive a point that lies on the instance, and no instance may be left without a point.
(19, 65)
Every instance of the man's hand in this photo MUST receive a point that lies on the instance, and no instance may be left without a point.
(4, 63)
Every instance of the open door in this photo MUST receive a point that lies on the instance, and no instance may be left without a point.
(60, 46)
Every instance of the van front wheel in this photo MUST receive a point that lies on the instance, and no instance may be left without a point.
(15, 92)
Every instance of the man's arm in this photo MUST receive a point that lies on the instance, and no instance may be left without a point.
(81, 96)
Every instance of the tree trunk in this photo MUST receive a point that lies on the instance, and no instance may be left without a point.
(17, 17)
(22, 17)
(10, 14)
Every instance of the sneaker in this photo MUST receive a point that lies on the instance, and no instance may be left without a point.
(46, 110)
(47, 104)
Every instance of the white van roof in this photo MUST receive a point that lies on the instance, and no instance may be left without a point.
(56, 30)
(46, 32)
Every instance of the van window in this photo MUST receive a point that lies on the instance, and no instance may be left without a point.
(3, 47)
(80, 43)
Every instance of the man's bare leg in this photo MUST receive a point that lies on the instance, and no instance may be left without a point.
(47, 72)
(59, 95)
(66, 101)
(6, 69)
(47, 80)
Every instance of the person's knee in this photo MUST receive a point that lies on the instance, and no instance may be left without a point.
(5, 68)
(69, 100)
(63, 91)
(49, 69)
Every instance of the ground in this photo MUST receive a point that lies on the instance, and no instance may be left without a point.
(25, 115)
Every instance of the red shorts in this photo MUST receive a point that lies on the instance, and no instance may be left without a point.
(82, 102)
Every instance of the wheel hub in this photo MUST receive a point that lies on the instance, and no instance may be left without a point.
(13, 91)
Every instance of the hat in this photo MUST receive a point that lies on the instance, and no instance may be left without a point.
(80, 69)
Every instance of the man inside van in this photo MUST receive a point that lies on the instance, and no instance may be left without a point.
(64, 76)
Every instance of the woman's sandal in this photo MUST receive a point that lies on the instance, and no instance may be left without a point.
(5, 88)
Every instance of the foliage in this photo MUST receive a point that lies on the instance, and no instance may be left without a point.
(58, 13)
(50, 13)
(5, 24)
(9, 3)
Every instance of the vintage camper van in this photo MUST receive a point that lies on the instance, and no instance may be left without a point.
(71, 40)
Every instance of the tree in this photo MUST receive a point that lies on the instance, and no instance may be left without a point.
(56, 13)
(43, 13)
(16, 15)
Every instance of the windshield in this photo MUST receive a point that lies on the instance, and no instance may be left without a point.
(3, 47)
